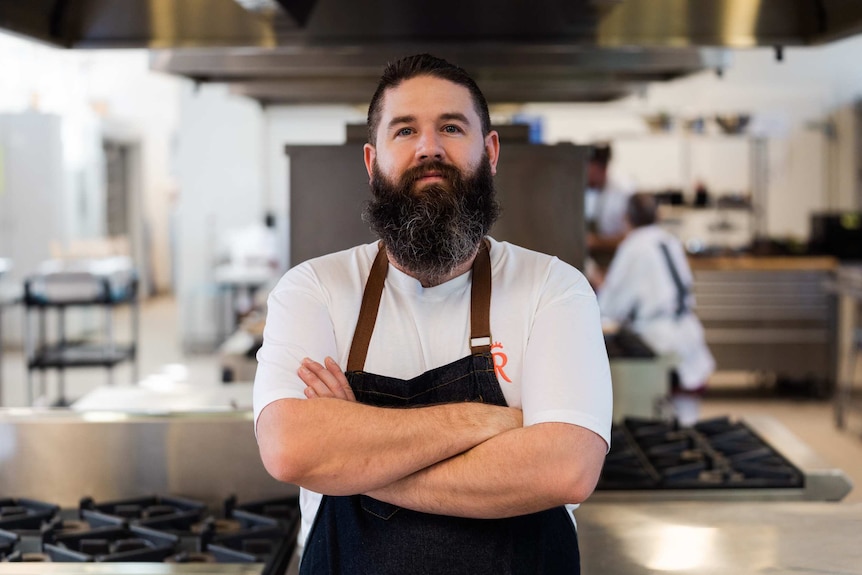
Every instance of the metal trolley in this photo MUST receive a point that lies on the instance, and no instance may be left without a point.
(59, 290)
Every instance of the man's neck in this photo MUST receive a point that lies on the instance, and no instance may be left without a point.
(426, 282)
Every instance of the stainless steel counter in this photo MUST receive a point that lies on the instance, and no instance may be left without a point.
(60, 456)
(720, 538)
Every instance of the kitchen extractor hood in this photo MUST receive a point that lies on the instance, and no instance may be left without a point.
(604, 23)
(506, 72)
(293, 51)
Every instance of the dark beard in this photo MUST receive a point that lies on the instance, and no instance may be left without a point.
(431, 231)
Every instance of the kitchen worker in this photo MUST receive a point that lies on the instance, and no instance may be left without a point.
(604, 205)
(476, 403)
(648, 288)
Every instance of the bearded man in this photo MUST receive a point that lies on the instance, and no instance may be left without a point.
(464, 427)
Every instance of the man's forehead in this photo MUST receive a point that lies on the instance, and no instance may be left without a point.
(426, 95)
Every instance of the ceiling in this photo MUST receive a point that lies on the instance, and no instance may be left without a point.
(332, 51)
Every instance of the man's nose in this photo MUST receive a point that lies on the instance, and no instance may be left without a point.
(429, 147)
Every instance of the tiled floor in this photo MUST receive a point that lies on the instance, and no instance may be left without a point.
(810, 420)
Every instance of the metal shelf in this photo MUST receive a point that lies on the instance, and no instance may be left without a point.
(55, 294)
(81, 355)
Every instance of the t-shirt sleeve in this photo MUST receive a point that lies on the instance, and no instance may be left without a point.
(567, 376)
(298, 325)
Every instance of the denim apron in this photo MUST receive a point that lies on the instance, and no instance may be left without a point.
(360, 535)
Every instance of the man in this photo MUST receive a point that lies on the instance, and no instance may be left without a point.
(605, 204)
(648, 287)
(465, 422)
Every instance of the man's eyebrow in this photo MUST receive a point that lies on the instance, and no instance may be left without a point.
(455, 116)
(400, 120)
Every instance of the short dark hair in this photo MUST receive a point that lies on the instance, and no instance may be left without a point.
(601, 154)
(424, 65)
(641, 210)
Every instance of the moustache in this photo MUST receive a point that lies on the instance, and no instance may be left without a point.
(449, 173)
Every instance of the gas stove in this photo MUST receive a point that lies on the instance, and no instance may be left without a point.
(151, 529)
(714, 459)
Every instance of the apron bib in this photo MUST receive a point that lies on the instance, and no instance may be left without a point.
(360, 535)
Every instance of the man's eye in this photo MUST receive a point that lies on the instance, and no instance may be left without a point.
(451, 129)
(404, 132)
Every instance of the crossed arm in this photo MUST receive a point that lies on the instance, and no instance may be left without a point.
(464, 459)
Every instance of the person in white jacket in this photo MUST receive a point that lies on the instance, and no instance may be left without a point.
(648, 289)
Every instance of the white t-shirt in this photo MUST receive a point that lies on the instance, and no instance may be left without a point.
(548, 346)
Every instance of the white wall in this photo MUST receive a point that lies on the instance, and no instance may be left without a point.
(220, 187)
(232, 170)
(97, 93)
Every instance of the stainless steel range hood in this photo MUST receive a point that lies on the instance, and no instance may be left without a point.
(332, 50)
(506, 72)
(604, 23)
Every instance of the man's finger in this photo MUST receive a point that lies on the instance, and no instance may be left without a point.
(334, 388)
(339, 376)
(314, 383)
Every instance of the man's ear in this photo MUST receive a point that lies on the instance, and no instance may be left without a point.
(370, 154)
(492, 146)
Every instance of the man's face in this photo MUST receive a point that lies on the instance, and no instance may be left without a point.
(431, 177)
(427, 119)
(597, 175)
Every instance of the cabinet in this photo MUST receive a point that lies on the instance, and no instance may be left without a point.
(772, 316)
(54, 293)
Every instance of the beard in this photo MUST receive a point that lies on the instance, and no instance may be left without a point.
(431, 230)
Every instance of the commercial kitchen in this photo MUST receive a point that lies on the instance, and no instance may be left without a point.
(163, 162)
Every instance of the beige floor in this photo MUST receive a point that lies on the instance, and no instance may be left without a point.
(810, 420)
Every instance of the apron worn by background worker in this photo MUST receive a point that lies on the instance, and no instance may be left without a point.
(357, 534)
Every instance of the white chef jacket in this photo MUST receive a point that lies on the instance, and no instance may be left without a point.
(607, 207)
(639, 290)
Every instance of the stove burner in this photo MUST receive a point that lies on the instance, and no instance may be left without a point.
(191, 557)
(254, 545)
(151, 529)
(717, 453)
(112, 544)
(143, 508)
(19, 557)
(7, 542)
(25, 514)
(217, 526)
(284, 511)
(65, 526)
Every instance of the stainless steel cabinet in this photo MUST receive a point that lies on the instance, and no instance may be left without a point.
(777, 321)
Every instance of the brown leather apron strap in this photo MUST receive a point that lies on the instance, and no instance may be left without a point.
(368, 311)
(480, 306)
(480, 301)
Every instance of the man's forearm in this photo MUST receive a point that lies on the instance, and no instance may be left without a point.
(521, 471)
(340, 447)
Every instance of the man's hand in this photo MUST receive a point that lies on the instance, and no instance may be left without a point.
(324, 380)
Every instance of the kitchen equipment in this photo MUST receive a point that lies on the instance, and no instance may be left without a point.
(639, 376)
(719, 458)
(152, 529)
(837, 234)
(770, 315)
(60, 285)
(733, 124)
